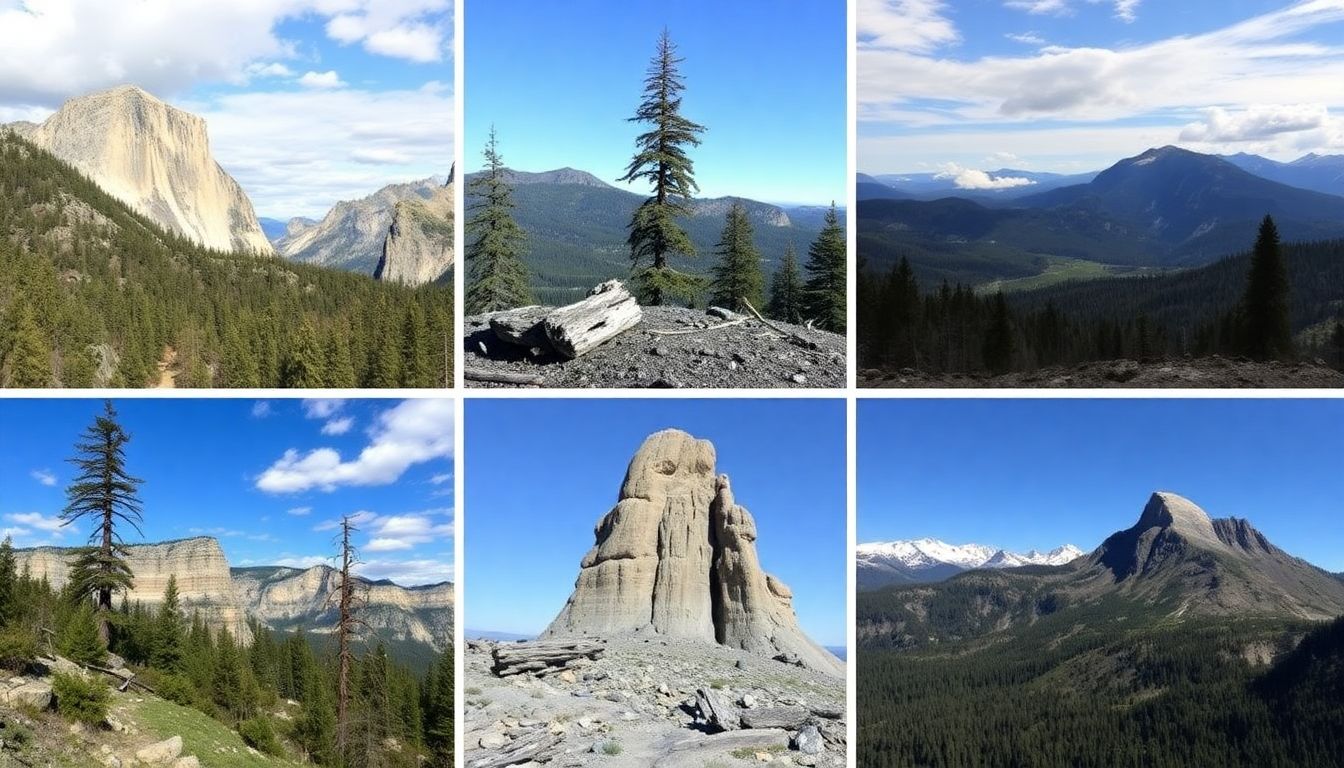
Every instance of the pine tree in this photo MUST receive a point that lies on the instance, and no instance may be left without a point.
(1266, 331)
(80, 638)
(438, 713)
(498, 278)
(340, 368)
(27, 361)
(661, 160)
(305, 365)
(825, 295)
(415, 368)
(737, 276)
(168, 630)
(104, 493)
(9, 579)
(1337, 340)
(232, 687)
(786, 291)
(240, 368)
(998, 345)
(316, 727)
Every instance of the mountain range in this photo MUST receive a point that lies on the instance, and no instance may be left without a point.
(281, 598)
(1181, 640)
(577, 225)
(1175, 561)
(929, 560)
(1164, 208)
(156, 159)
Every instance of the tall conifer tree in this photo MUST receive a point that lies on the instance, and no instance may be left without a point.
(786, 290)
(1266, 331)
(661, 160)
(737, 276)
(497, 276)
(827, 273)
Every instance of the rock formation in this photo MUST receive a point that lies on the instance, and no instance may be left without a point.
(1218, 567)
(279, 597)
(677, 557)
(202, 572)
(419, 244)
(352, 234)
(156, 159)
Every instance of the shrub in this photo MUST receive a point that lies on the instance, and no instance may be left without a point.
(17, 648)
(258, 734)
(80, 699)
(177, 689)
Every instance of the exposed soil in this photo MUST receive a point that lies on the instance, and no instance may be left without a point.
(748, 355)
(1191, 373)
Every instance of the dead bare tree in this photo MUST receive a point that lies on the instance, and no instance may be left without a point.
(348, 604)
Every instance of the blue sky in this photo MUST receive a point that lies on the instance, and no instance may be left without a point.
(540, 474)
(307, 101)
(267, 478)
(767, 79)
(1075, 85)
(1024, 474)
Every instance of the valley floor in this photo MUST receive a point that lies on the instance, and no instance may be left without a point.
(1191, 373)
(629, 708)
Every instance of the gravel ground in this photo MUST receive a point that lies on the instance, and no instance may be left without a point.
(742, 356)
(634, 696)
(1196, 373)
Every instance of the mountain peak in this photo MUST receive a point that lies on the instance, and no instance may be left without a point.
(1177, 513)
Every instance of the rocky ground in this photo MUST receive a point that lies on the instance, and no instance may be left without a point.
(1214, 372)
(748, 355)
(140, 730)
(636, 705)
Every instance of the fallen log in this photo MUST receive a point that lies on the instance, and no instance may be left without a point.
(685, 331)
(801, 341)
(608, 311)
(543, 657)
(538, 747)
(500, 377)
(520, 327)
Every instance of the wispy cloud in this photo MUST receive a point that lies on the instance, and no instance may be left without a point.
(43, 476)
(261, 409)
(299, 511)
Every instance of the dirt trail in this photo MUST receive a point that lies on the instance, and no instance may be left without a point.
(168, 372)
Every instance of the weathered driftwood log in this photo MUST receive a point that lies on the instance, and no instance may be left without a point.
(608, 311)
(543, 657)
(788, 718)
(716, 712)
(521, 326)
(539, 747)
(501, 377)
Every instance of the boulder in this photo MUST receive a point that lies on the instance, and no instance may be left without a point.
(162, 753)
(31, 693)
(808, 741)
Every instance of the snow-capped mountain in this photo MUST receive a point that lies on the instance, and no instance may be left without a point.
(927, 560)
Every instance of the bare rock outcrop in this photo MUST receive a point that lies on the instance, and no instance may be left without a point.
(677, 557)
(419, 244)
(156, 159)
(202, 572)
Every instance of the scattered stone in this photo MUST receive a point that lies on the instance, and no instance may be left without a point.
(162, 752)
(788, 718)
(809, 741)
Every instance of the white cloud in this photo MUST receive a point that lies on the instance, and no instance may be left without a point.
(1125, 10)
(328, 79)
(1256, 122)
(38, 521)
(410, 433)
(51, 50)
(354, 142)
(338, 426)
(396, 532)
(322, 408)
(409, 572)
(299, 511)
(441, 478)
(1265, 59)
(261, 409)
(916, 26)
(43, 476)
(970, 178)
(1026, 38)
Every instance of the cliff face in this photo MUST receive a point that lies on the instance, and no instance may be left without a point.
(280, 598)
(677, 557)
(156, 159)
(419, 244)
(202, 571)
(289, 597)
(352, 234)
